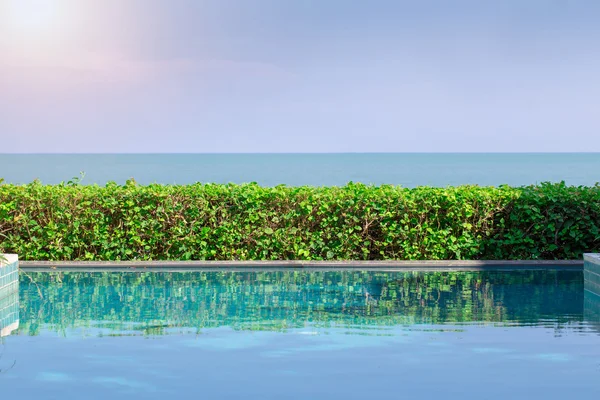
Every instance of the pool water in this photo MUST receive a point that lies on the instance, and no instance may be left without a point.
(297, 335)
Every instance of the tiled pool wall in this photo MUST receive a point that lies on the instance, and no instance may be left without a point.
(9, 295)
(591, 273)
(591, 296)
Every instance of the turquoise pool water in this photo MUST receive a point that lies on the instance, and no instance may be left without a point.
(296, 335)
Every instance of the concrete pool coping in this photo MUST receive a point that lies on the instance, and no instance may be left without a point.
(236, 266)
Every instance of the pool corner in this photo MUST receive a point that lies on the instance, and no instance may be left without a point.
(9, 294)
(591, 272)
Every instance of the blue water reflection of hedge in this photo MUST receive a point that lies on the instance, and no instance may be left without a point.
(153, 302)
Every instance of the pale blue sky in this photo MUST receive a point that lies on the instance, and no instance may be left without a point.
(299, 75)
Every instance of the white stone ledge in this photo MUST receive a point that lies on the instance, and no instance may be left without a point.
(10, 259)
(592, 257)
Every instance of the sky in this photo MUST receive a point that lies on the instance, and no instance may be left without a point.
(230, 76)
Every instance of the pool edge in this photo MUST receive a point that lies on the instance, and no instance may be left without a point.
(424, 265)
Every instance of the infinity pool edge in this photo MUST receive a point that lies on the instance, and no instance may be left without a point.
(431, 265)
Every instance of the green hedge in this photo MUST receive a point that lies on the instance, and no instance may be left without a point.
(250, 222)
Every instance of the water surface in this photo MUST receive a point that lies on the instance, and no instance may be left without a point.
(296, 335)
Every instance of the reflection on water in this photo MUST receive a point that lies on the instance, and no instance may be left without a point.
(299, 335)
(591, 309)
(163, 303)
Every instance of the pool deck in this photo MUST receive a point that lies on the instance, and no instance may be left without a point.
(383, 266)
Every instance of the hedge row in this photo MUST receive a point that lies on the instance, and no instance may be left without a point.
(250, 222)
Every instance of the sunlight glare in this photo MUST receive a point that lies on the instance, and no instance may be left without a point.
(33, 16)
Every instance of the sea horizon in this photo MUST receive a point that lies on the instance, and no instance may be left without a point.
(302, 153)
(312, 169)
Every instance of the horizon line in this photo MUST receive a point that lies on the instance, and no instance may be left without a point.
(307, 153)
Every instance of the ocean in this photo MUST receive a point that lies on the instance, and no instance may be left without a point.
(405, 169)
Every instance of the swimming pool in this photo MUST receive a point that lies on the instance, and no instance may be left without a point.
(299, 334)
